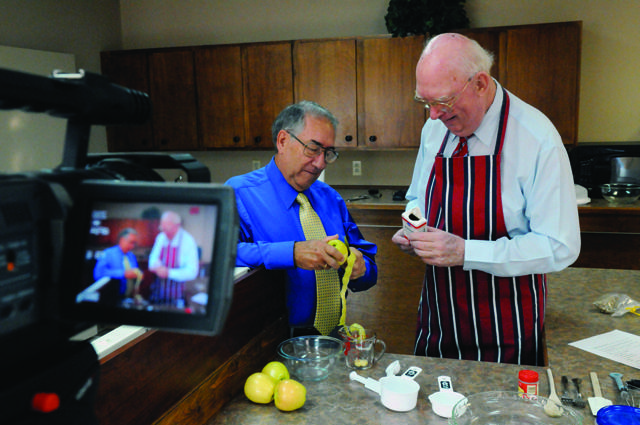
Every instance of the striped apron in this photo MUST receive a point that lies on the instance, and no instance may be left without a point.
(474, 315)
(168, 291)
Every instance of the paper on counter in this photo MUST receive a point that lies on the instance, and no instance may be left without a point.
(616, 345)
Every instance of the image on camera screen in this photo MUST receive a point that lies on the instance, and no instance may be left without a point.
(149, 256)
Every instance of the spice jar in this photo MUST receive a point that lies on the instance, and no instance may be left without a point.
(528, 383)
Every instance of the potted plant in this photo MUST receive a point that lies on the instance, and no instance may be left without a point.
(417, 17)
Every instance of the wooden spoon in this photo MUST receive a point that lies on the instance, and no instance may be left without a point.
(553, 407)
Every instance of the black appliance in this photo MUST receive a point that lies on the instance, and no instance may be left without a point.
(591, 163)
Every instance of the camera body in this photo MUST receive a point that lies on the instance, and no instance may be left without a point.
(54, 228)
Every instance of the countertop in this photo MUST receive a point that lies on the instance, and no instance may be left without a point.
(570, 316)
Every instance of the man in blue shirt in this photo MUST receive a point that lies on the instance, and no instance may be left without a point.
(119, 263)
(270, 230)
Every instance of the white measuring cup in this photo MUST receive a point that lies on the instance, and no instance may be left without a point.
(443, 401)
(397, 393)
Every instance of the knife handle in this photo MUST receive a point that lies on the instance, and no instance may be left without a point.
(596, 384)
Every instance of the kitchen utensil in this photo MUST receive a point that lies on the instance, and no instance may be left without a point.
(508, 408)
(311, 358)
(442, 402)
(624, 393)
(620, 193)
(553, 407)
(579, 400)
(397, 393)
(566, 392)
(360, 353)
(598, 402)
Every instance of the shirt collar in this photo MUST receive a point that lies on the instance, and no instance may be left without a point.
(285, 191)
(487, 132)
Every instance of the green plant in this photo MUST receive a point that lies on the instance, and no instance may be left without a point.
(416, 17)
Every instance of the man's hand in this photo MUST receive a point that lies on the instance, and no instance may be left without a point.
(403, 243)
(437, 247)
(317, 254)
(161, 272)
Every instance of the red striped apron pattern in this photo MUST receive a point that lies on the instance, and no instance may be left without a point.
(474, 315)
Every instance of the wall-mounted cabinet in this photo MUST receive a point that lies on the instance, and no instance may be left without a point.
(241, 90)
(541, 65)
(227, 96)
(368, 84)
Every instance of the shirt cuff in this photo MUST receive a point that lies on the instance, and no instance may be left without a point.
(279, 255)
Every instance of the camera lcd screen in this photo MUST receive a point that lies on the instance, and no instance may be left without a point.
(155, 254)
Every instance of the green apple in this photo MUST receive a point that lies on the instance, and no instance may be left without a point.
(260, 387)
(289, 395)
(276, 370)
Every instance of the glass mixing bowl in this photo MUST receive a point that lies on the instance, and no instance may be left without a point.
(620, 193)
(311, 358)
(508, 408)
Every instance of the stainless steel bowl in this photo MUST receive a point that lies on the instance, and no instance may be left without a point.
(620, 193)
(312, 358)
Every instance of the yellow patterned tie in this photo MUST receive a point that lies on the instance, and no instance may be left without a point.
(327, 281)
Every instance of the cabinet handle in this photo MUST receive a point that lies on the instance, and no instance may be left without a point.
(372, 139)
(236, 139)
(348, 138)
(257, 140)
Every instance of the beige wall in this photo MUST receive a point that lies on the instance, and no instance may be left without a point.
(610, 56)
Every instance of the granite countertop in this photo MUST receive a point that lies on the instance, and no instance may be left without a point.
(570, 316)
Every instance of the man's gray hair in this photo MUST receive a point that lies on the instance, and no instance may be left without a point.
(293, 117)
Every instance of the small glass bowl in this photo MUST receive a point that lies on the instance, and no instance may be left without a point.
(620, 193)
(311, 358)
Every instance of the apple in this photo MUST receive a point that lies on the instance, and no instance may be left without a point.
(260, 387)
(289, 395)
(276, 370)
(340, 246)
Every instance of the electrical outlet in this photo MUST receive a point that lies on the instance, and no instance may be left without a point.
(356, 167)
(256, 164)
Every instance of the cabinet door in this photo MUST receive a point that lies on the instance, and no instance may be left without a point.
(173, 97)
(325, 72)
(268, 88)
(387, 115)
(543, 68)
(220, 102)
(128, 69)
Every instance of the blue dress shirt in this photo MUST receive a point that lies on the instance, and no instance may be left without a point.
(270, 225)
(111, 264)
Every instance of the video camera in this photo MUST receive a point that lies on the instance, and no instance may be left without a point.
(59, 230)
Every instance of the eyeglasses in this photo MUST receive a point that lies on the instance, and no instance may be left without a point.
(445, 104)
(313, 149)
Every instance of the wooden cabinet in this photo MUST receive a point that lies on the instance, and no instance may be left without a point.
(226, 97)
(387, 115)
(541, 65)
(173, 99)
(268, 88)
(241, 90)
(129, 69)
(168, 78)
(220, 100)
(325, 72)
(368, 84)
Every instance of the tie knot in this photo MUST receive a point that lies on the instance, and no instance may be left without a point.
(302, 199)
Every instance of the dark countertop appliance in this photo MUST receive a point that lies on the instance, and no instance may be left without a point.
(593, 163)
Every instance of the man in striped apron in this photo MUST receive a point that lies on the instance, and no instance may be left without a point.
(174, 259)
(495, 186)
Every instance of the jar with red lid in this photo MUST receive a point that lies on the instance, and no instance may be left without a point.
(528, 383)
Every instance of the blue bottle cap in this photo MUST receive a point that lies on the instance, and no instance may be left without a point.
(618, 415)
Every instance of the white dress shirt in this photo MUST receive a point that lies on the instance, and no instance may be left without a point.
(538, 193)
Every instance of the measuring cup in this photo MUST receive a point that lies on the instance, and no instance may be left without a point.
(360, 353)
(442, 402)
(398, 393)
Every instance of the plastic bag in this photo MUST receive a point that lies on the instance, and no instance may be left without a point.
(617, 304)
